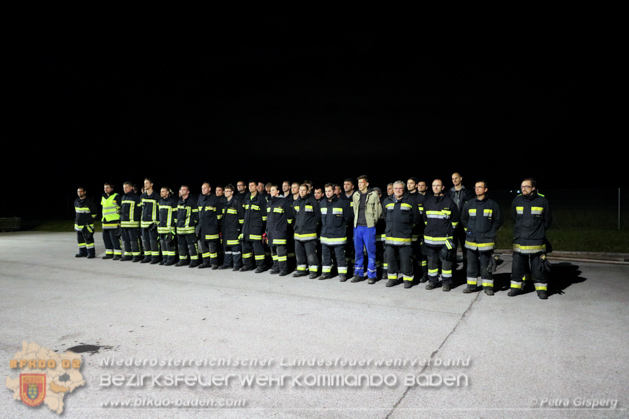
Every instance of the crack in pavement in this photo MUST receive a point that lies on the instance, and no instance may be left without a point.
(436, 351)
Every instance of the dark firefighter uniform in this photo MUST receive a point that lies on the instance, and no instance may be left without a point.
(401, 216)
(148, 224)
(166, 228)
(381, 247)
(481, 220)
(532, 217)
(279, 217)
(86, 211)
(441, 217)
(209, 228)
(420, 265)
(307, 217)
(460, 197)
(130, 213)
(111, 225)
(252, 230)
(336, 216)
(187, 220)
(233, 219)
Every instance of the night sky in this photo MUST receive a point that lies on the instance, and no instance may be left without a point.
(320, 99)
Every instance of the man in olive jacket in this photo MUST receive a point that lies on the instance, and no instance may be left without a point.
(367, 211)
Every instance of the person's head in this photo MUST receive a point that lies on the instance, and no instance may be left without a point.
(274, 190)
(148, 184)
(363, 183)
(318, 193)
(528, 186)
(348, 185)
(219, 191)
(338, 190)
(253, 187)
(389, 189)
(437, 186)
(164, 192)
(81, 192)
(286, 186)
(309, 183)
(378, 191)
(184, 191)
(127, 187)
(294, 188)
(229, 191)
(411, 184)
(480, 188)
(108, 188)
(260, 187)
(456, 179)
(241, 186)
(329, 190)
(206, 188)
(421, 186)
(398, 189)
(303, 190)
(267, 187)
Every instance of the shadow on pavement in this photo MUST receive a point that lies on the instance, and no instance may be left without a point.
(562, 275)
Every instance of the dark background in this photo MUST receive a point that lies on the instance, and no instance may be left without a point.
(506, 95)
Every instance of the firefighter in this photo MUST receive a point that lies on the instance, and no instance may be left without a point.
(253, 229)
(367, 211)
(532, 218)
(166, 227)
(285, 189)
(401, 215)
(233, 219)
(422, 188)
(86, 212)
(208, 229)
(307, 217)
(130, 212)
(110, 201)
(460, 195)
(420, 261)
(242, 193)
(338, 190)
(481, 219)
(389, 189)
(381, 247)
(441, 217)
(187, 221)
(318, 194)
(148, 223)
(220, 194)
(292, 196)
(348, 189)
(279, 217)
(336, 216)
(294, 192)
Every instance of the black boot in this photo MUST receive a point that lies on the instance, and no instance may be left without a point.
(514, 291)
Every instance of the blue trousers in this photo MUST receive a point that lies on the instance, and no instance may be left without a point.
(365, 237)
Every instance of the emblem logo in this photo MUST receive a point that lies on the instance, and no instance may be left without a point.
(32, 388)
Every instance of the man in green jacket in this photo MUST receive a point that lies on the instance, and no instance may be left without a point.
(367, 211)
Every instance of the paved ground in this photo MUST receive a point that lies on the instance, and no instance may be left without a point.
(514, 357)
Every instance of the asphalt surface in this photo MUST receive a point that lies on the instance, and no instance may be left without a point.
(365, 350)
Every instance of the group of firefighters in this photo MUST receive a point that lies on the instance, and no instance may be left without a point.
(405, 234)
